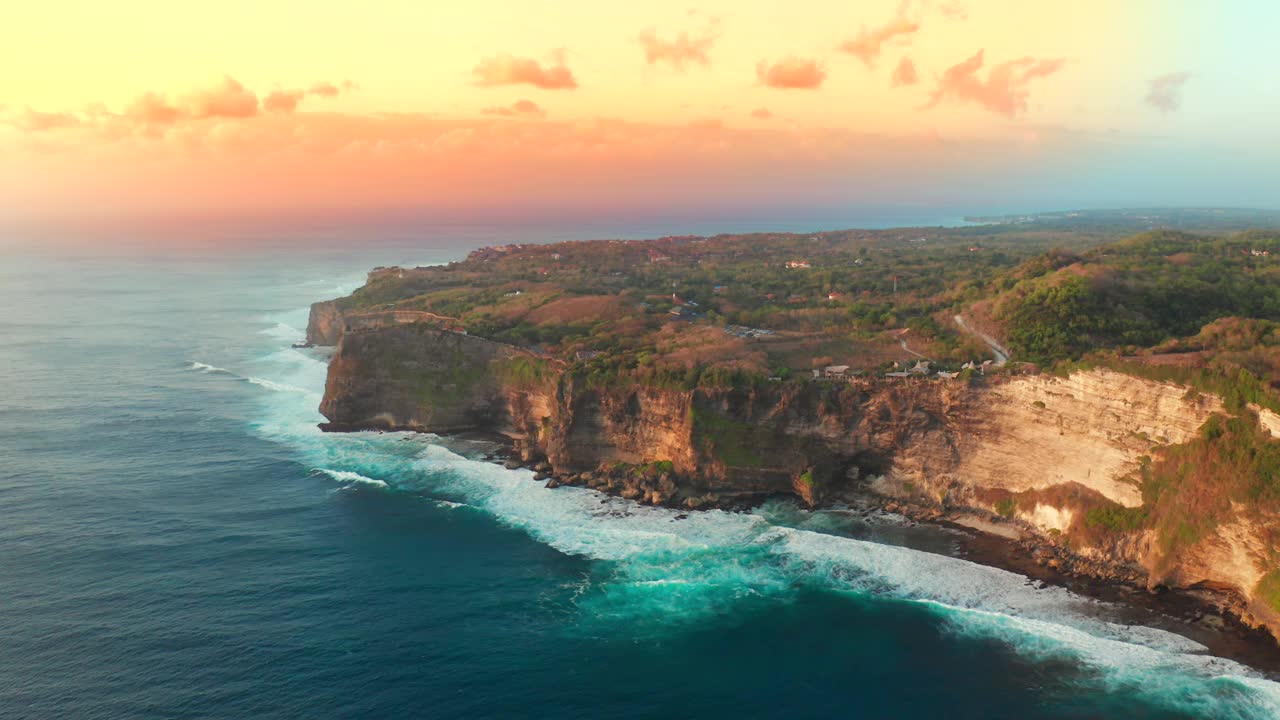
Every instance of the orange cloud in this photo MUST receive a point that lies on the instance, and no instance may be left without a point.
(152, 114)
(324, 89)
(762, 113)
(679, 51)
(334, 160)
(286, 101)
(506, 69)
(905, 73)
(869, 43)
(228, 100)
(1005, 89)
(954, 10)
(791, 73)
(520, 108)
(1165, 92)
(282, 101)
(34, 121)
(152, 109)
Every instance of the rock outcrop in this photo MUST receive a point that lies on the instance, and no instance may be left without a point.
(416, 377)
(324, 327)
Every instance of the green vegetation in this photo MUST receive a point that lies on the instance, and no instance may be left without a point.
(1268, 590)
(524, 371)
(1116, 518)
(1138, 292)
(736, 443)
(1190, 489)
(1064, 292)
(655, 469)
(1007, 507)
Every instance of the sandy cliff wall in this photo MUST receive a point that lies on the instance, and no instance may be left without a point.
(1035, 432)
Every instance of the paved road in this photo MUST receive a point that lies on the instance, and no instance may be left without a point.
(1002, 354)
(901, 340)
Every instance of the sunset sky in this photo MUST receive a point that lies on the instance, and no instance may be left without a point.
(134, 109)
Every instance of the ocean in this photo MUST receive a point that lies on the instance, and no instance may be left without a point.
(179, 540)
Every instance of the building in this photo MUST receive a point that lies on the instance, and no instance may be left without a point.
(920, 368)
(836, 371)
(795, 264)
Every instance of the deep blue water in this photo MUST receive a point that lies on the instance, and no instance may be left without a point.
(177, 540)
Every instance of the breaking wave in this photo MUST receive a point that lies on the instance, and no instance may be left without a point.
(260, 382)
(207, 369)
(351, 478)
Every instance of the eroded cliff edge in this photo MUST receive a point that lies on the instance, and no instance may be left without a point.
(1061, 459)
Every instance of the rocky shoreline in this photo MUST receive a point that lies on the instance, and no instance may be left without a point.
(989, 540)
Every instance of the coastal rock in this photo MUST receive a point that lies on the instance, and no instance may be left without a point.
(324, 326)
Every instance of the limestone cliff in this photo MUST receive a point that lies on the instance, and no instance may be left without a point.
(1046, 453)
(324, 327)
(415, 377)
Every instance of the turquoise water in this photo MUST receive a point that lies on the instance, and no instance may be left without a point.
(178, 540)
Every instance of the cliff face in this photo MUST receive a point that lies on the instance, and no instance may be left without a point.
(1036, 432)
(325, 324)
(1041, 450)
(415, 377)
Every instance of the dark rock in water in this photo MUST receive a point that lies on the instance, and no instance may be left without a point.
(302, 345)
(540, 476)
(553, 483)
(543, 467)
(512, 464)
(682, 516)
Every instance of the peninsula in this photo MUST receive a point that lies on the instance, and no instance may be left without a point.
(1104, 394)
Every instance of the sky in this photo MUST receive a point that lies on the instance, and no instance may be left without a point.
(137, 109)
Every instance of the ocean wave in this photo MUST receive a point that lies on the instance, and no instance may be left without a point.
(351, 478)
(276, 386)
(208, 369)
(272, 385)
(284, 332)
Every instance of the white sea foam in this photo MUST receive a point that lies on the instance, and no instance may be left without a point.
(207, 369)
(272, 385)
(278, 387)
(285, 332)
(352, 478)
(661, 568)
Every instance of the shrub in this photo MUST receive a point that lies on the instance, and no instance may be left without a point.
(1116, 518)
